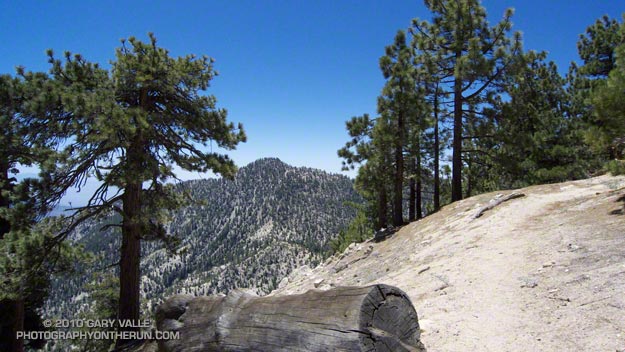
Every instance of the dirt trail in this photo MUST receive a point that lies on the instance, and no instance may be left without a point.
(545, 272)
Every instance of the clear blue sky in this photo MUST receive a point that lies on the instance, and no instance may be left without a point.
(291, 71)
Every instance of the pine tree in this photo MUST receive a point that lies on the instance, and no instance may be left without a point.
(29, 253)
(129, 126)
(103, 291)
(539, 135)
(397, 102)
(375, 181)
(432, 75)
(479, 152)
(419, 121)
(371, 147)
(471, 54)
(608, 130)
(13, 224)
(597, 48)
(357, 231)
(438, 140)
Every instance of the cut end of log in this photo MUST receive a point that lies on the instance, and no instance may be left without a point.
(391, 320)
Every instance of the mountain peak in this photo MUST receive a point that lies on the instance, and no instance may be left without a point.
(269, 161)
(247, 232)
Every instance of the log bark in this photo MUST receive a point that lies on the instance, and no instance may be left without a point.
(372, 318)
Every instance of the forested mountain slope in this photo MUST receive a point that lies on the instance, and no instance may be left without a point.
(541, 272)
(249, 232)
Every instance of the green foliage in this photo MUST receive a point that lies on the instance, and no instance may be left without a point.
(607, 132)
(103, 291)
(468, 57)
(594, 100)
(129, 127)
(29, 250)
(396, 104)
(516, 121)
(540, 139)
(456, 55)
(132, 124)
(30, 257)
(479, 153)
(380, 144)
(359, 230)
(371, 145)
(596, 47)
(615, 167)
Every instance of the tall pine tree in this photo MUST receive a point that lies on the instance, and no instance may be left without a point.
(417, 143)
(539, 136)
(371, 147)
(597, 48)
(397, 102)
(29, 255)
(471, 54)
(129, 126)
(608, 131)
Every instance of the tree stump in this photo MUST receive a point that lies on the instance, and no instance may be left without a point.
(372, 318)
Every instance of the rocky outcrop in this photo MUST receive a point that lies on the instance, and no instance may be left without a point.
(503, 272)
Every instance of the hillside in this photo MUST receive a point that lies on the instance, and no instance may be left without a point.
(544, 272)
(249, 232)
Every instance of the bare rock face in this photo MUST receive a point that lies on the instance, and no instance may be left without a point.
(372, 318)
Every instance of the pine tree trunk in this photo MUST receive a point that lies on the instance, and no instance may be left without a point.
(18, 325)
(130, 259)
(382, 208)
(5, 226)
(13, 313)
(398, 216)
(418, 186)
(130, 255)
(469, 179)
(129, 275)
(17, 306)
(412, 198)
(437, 181)
(456, 176)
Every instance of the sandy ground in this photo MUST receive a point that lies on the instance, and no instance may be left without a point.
(545, 272)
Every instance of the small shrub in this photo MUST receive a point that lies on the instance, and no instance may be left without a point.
(615, 167)
(359, 230)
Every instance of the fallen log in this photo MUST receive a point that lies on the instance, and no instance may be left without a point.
(372, 318)
(496, 202)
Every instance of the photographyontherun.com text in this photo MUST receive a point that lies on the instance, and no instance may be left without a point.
(67, 332)
(99, 335)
